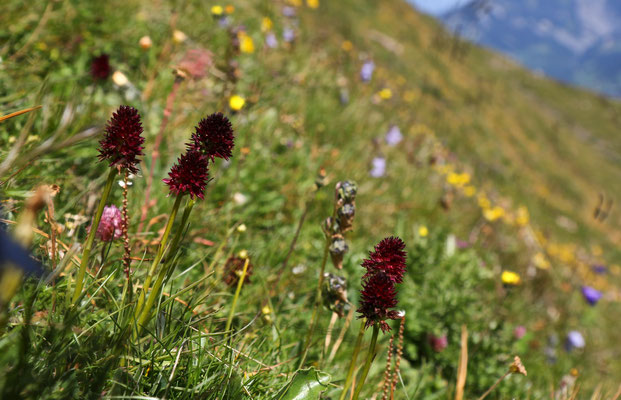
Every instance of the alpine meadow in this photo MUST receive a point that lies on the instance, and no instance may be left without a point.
(297, 200)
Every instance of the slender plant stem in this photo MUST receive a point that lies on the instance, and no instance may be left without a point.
(174, 245)
(126, 246)
(143, 315)
(494, 385)
(316, 306)
(368, 362)
(159, 255)
(352, 363)
(237, 292)
(91, 237)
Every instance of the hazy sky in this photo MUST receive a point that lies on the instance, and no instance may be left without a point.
(436, 7)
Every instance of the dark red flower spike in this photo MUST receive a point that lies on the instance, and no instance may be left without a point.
(387, 258)
(189, 175)
(214, 137)
(100, 67)
(122, 142)
(377, 298)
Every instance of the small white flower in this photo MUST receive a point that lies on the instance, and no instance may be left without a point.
(240, 198)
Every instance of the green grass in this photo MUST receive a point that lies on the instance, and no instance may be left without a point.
(524, 139)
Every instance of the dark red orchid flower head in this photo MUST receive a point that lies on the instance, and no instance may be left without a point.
(122, 143)
(189, 175)
(214, 137)
(388, 257)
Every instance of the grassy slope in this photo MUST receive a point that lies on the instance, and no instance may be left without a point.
(549, 147)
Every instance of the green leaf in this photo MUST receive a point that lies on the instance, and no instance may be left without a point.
(306, 384)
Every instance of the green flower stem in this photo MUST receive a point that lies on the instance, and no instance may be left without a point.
(316, 307)
(79, 285)
(352, 363)
(237, 292)
(143, 315)
(368, 362)
(174, 245)
(159, 255)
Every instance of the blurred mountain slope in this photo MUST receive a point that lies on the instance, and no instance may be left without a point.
(574, 41)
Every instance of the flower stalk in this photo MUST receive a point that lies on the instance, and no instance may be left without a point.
(160, 253)
(91, 236)
(121, 146)
(143, 315)
(369, 360)
(352, 363)
(236, 297)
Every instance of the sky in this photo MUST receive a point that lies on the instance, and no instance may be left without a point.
(437, 7)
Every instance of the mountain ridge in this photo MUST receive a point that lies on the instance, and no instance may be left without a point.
(576, 42)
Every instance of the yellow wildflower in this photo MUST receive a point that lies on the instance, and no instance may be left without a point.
(217, 10)
(243, 254)
(312, 3)
(266, 24)
(484, 202)
(510, 278)
(246, 45)
(423, 231)
(492, 214)
(242, 228)
(452, 178)
(230, 9)
(236, 102)
(347, 46)
(470, 191)
(385, 94)
(458, 180)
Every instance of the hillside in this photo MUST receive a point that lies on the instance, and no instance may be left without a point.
(497, 170)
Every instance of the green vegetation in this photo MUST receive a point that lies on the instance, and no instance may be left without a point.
(491, 155)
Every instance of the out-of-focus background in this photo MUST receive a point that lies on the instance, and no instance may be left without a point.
(574, 41)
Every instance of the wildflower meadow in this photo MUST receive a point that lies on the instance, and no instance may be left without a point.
(296, 199)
